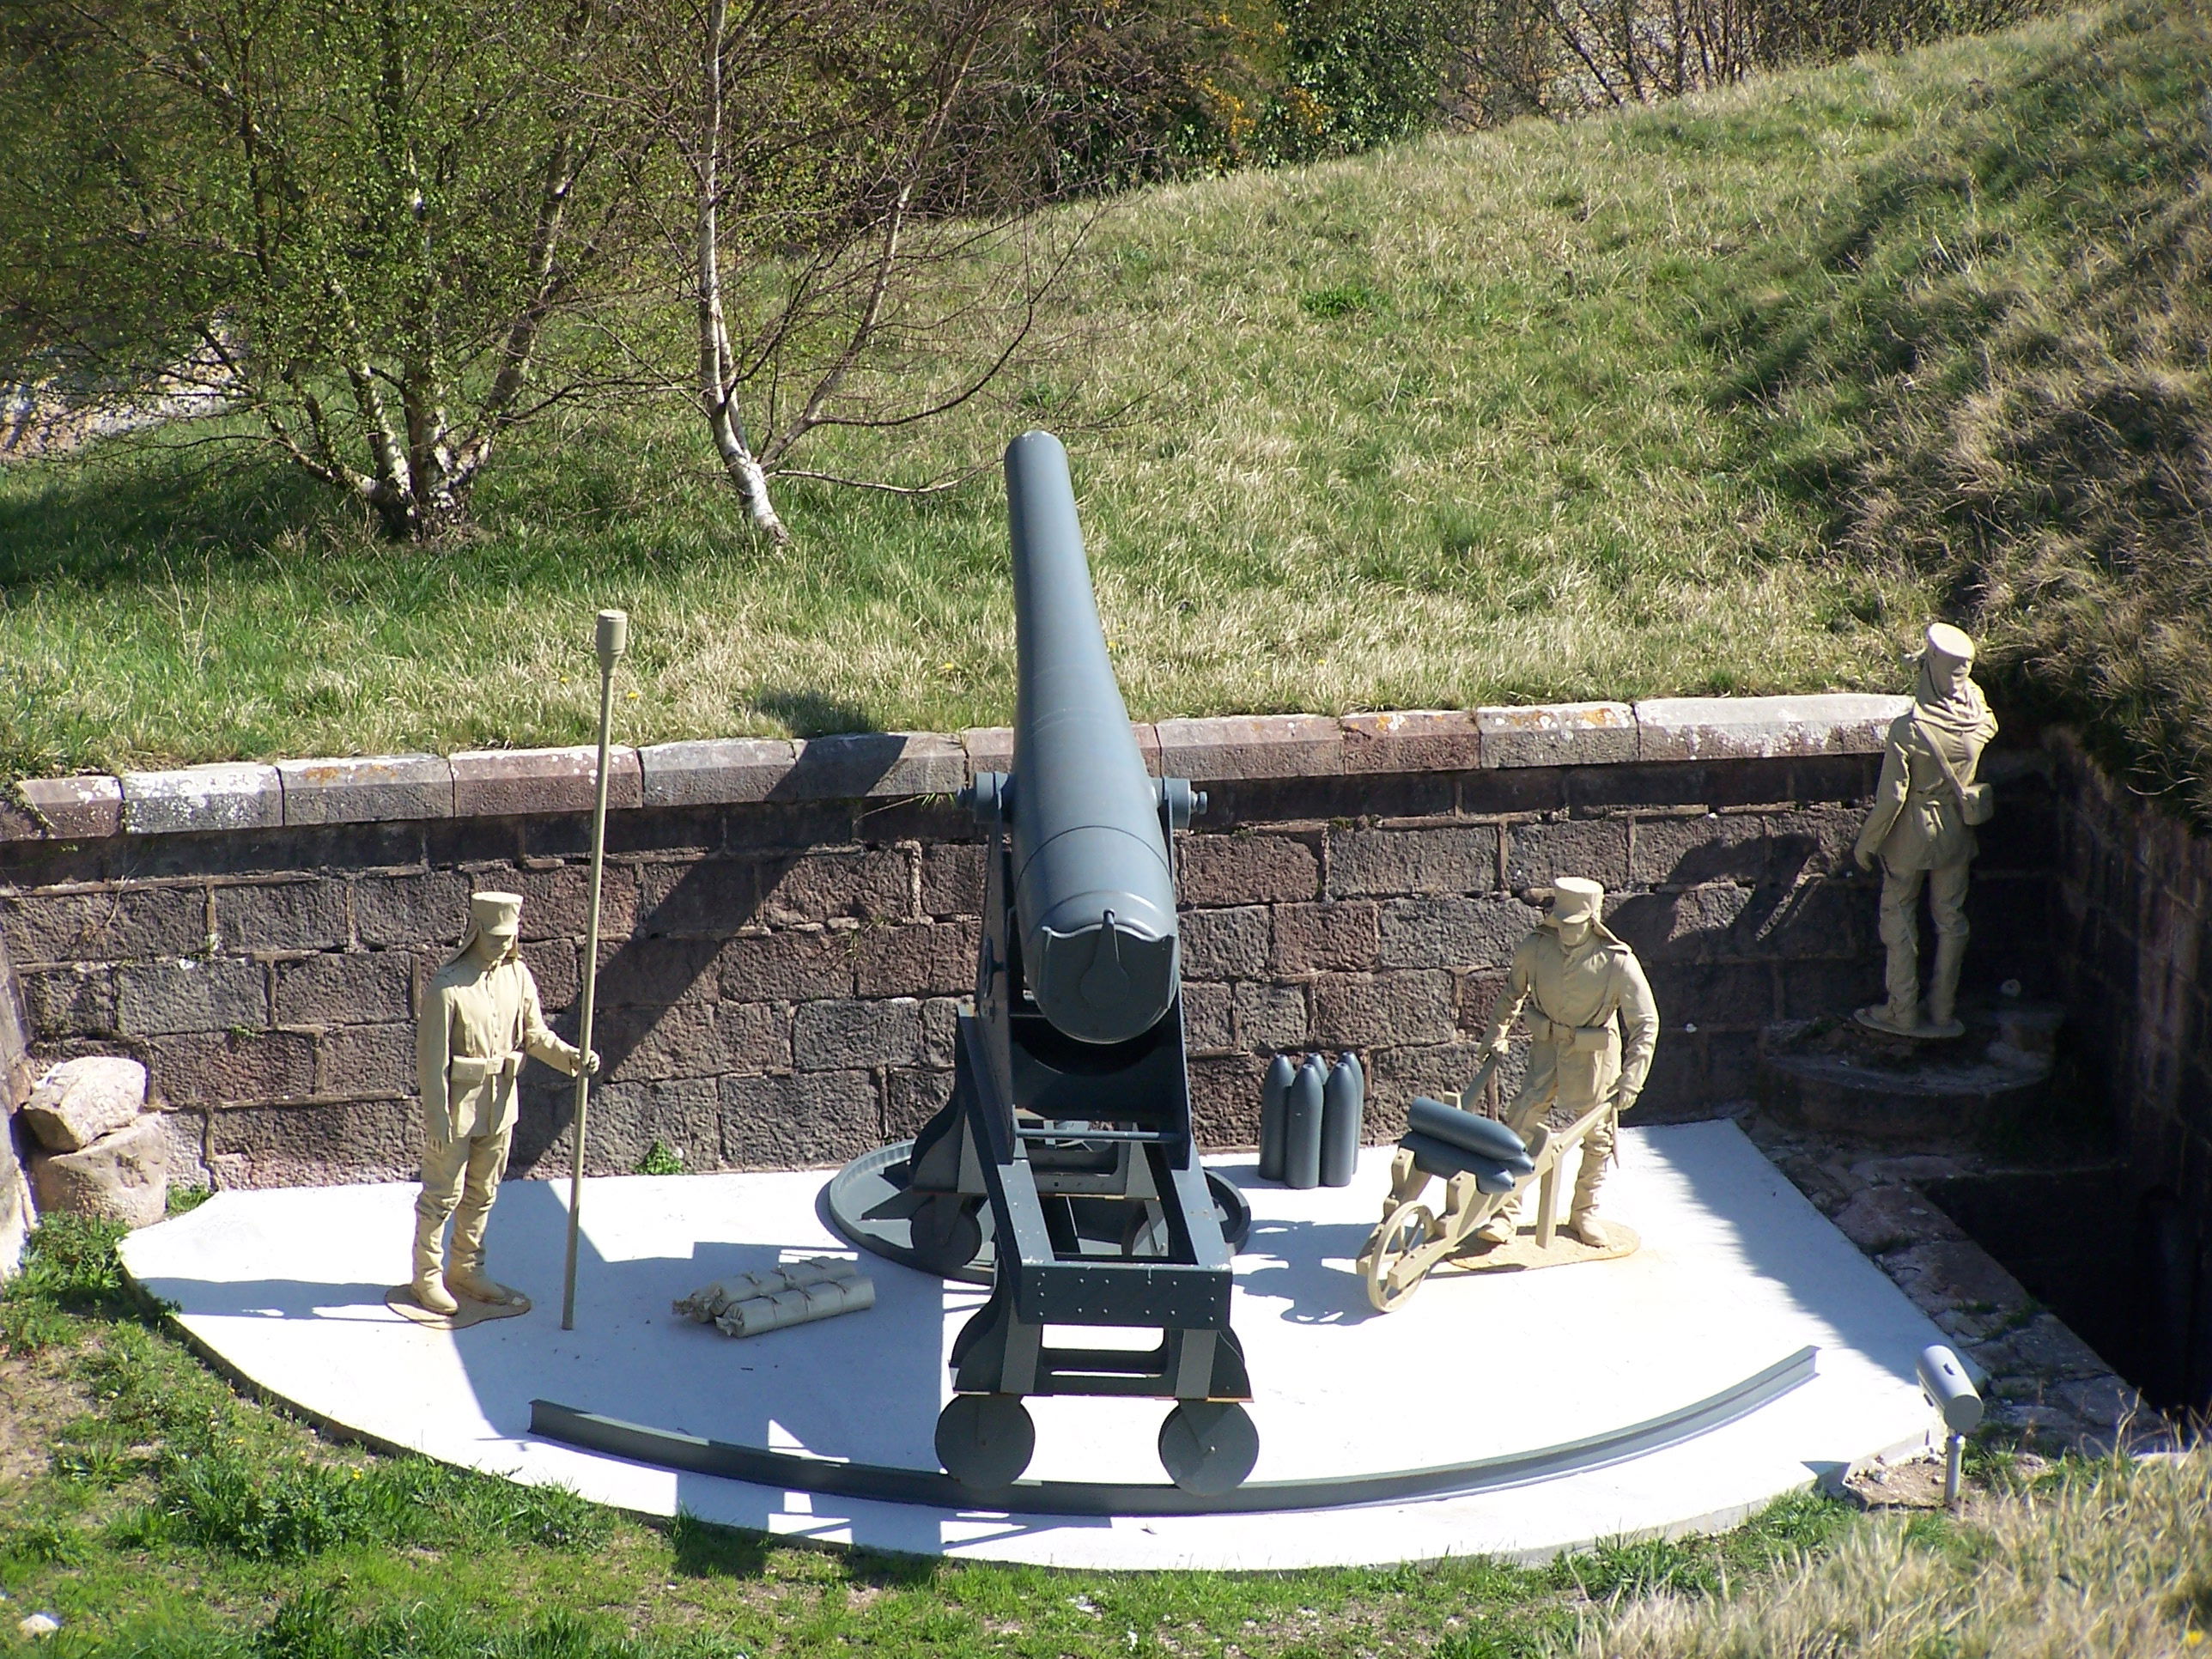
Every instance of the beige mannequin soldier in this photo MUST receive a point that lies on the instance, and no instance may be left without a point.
(479, 1017)
(1592, 1028)
(1921, 828)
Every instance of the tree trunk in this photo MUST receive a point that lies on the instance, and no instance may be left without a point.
(718, 389)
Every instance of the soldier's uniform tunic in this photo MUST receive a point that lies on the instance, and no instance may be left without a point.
(1585, 998)
(475, 1026)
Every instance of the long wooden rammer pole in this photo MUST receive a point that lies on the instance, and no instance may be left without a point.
(613, 640)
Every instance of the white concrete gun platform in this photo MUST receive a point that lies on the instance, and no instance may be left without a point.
(1738, 1272)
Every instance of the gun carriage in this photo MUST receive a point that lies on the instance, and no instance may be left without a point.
(1069, 1123)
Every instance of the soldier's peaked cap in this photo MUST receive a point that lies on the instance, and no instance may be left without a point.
(1576, 898)
(495, 912)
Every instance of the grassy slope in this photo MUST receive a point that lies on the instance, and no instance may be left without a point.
(1440, 425)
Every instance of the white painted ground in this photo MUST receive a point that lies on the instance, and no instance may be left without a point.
(1738, 1271)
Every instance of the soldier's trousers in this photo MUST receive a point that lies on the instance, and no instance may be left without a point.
(461, 1178)
(1900, 930)
(1577, 1080)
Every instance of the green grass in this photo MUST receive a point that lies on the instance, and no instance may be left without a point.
(1727, 395)
(171, 1517)
(1442, 424)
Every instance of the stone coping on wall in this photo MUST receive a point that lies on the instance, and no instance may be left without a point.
(503, 782)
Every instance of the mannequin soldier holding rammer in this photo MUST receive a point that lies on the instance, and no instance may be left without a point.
(1592, 1026)
(479, 1017)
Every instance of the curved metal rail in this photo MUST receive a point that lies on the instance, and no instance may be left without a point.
(793, 1472)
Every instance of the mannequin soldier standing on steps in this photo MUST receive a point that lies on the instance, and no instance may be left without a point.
(1921, 828)
(1591, 1032)
(480, 1015)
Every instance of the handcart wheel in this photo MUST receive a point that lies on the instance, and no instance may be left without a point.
(947, 1233)
(1405, 1230)
(1208, 1446)
(984, 1440)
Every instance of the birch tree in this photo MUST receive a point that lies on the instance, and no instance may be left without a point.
(373, 222)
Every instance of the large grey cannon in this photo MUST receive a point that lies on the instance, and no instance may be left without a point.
(1068, 1130)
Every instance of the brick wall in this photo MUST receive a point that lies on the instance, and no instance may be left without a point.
(2134, 935)
(786, 926)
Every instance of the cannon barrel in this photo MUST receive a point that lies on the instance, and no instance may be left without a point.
(1094, 892)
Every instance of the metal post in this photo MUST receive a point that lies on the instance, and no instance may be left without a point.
(613, 640)
(1955, 1452)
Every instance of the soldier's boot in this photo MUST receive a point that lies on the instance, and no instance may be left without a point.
(466, 1277)
(428, 1283)
(1943, 985)
(1502, 1227)
(1582, 1214)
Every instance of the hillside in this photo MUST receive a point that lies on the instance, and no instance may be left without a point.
(1725, 395)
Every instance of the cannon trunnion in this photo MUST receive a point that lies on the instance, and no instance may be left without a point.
(1070, 1119)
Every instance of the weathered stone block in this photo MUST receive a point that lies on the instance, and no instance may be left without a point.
(190, 994)
(1364, 1010)
(1695, 925)
(234, 795)
(104, 924)
(988, 748)
(872, 885)
(1397, 1073)
(1761, 728)
(367, 789)
(1206, 1027)
(952, 881)
(215, 1069)
(418, 907)
(911, 1098)
(1338, 937)
(317, 1145)
(1475, 995)
(1538, 854)
(1814, 918)
(1737, 995)
(344, 988)
(365, 1059)
(122, 1177)
(1225, 944)
(1246, 869)
(1811, 840)
(1457, 858)
(802, 1121)
(80, 1100)
(557, 901)
(1812, 987)
(83, 808)
(835, 1035)
(853, 766)
(1441, 740)
(1251, 747)
(787, 967)
(716, 771)
(657, 971)
(625, 1118)
(940, 1030)
(78, 1000)
(286, 915)
(1681, 852)
(1558, 734)
(514, 782)
(1453, 933)
(1270, 1016)
(916, 960)
(1224, 1100)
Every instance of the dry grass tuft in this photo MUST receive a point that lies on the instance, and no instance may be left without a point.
(2113, 1563)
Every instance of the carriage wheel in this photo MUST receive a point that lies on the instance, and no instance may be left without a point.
(984, 1440)
(1408, 1228)
(947, 1233)
(1208, 1446)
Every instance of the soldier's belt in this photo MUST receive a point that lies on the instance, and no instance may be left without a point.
(1577, 1039)
(467, 1071)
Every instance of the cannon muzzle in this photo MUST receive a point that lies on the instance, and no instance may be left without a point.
(1094, 892)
